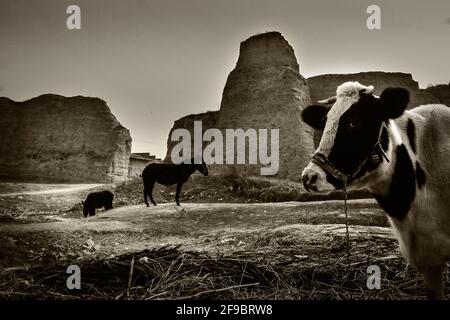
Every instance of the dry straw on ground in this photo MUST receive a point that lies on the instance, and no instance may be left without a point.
(170, 273)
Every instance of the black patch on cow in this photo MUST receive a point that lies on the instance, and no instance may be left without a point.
(420, 175)
(402, 189)
(393, 102)
(338, 184)
(411, 131)
(357, 133)
(315, 116)
(375, 158)
(384, 139)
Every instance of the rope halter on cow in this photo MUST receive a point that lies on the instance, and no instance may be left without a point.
(323, 162)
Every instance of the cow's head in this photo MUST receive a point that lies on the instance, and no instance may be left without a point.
(351, 128)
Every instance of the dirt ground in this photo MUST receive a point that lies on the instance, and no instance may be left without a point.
(39, 225)
(39, 217)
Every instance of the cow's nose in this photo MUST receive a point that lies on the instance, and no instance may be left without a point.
(309, 178)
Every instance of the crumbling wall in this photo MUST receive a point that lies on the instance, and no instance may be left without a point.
(265, 91)
(208, 119)
(52, 138)
(441, 92)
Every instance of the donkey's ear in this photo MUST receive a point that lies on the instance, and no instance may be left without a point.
(315, 116)
(393, 102)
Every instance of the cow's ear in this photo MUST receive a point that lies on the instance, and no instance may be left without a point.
(315, 116)
(393, 102)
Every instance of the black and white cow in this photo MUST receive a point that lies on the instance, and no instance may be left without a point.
(401, 157)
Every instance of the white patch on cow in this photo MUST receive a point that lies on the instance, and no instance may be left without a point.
(351, 88)
(347, 94)
(395, 132)
(321, 184)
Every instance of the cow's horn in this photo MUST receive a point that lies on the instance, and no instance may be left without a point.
(369, 89)
(328, 101)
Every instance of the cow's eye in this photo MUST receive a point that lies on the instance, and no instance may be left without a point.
(352, 125)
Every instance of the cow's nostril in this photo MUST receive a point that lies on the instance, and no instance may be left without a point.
(309, 180)
(305, 183)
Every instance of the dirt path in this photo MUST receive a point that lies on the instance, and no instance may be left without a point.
(310, 234)
(204, 216)
(195, 226)
(30, 189)
(48, 221)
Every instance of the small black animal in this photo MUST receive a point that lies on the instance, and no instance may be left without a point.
(169, 174)
(97, 200)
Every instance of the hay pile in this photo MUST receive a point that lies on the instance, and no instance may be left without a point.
(170, 273)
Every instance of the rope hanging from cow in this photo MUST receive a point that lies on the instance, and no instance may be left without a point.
(347, 233)
(322, 161)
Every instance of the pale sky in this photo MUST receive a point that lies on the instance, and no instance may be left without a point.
(154, 61)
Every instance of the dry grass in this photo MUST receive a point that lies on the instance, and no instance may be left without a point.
(268, 272)
(278, 265)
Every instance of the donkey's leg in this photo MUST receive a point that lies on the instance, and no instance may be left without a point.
(108, 205)
(150, 192)
(145, 196)
(434, 281)
(177, 196)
